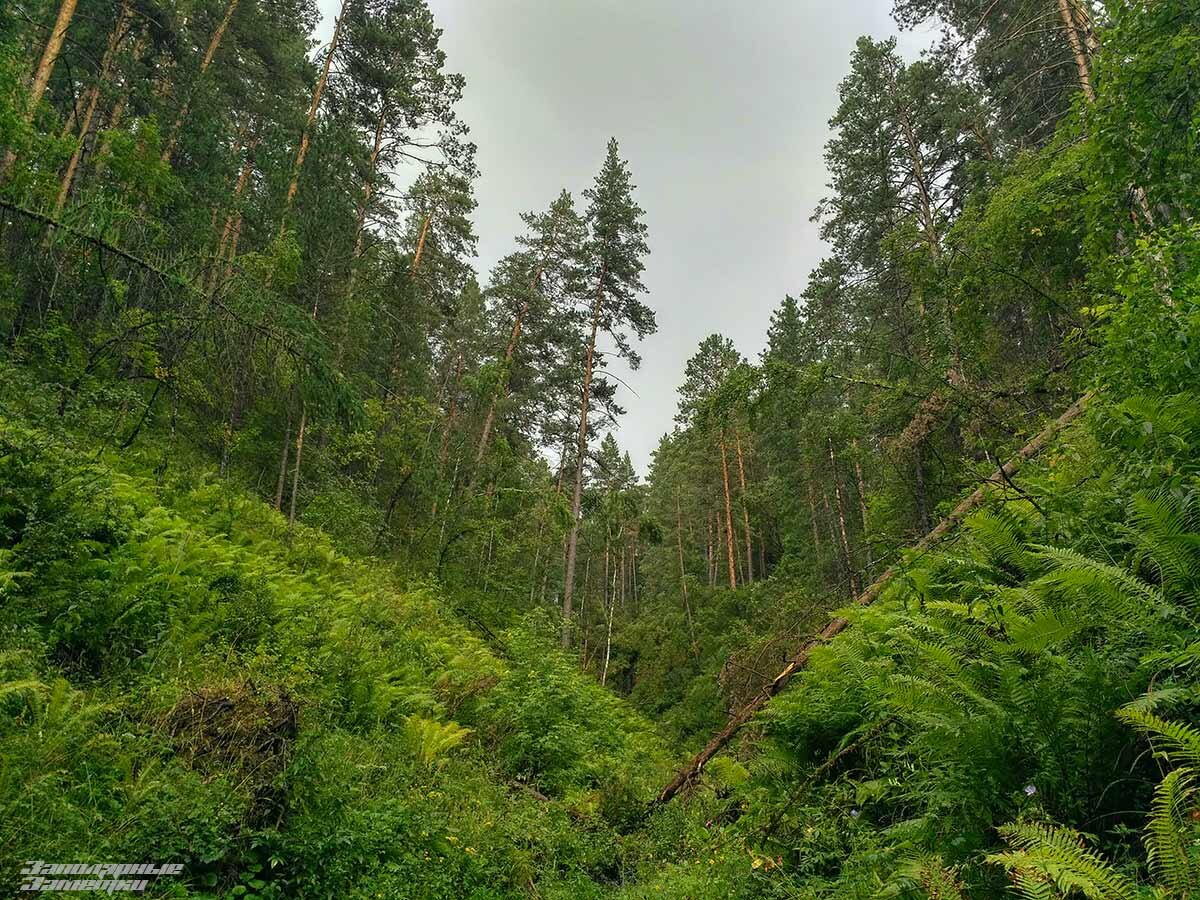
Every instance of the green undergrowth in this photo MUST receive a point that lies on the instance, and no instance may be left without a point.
(1014, 717)
(184, 679)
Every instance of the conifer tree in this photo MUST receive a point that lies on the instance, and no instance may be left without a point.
(547, 271)
(614, 257)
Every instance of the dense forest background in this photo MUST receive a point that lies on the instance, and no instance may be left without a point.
(323, 572)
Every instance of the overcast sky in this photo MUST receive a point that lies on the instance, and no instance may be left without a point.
(721, 109)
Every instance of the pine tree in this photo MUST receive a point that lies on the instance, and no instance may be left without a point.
(613, 257)
(546, 272)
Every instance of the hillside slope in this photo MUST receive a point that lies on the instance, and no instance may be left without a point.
(185, 679)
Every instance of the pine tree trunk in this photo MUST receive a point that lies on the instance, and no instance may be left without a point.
(360, 230)
(368, 189)
(624, 574)
(502, 388)
(633, 577)
(833, 540)
(1075, 39)
(314, 105)
(54, 44)
(223, 244)
(862, 505)
(708, 553)
(586, 581)
(420, 243)
(90, 104)
(930, 227)
(841, 511)
(283, 461)
(296, 471)
(117, 113)
(687, 606)
(231, 254)
(737, 442)
(800, 659)
(537, 556)
(812, 509)
(451, 413)
(608, 637)
(919, 486)
(728, 513)
(211, 51)
(581, 454)
(300, 440)
(1082, 39)
(447, 430)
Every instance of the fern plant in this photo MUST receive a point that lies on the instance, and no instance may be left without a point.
(431, 740)
(1050, 861)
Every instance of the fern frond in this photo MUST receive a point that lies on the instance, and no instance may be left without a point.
(1183, 739)
(1167, 834)
(1164, 697)
(1047, 855)
(1174, 416)
(1173, 659)
(998, 535)
(430, 739)
(1164, 530)
(932, 876)
(1078, 574)
(1044, 630)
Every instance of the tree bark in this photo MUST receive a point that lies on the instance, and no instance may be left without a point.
(54, 44)
(709, 555)
(360, 230)
(612, 604)
(862, 505)
(448, 428)
(92, 101)
(314, 105)
(833, 539)
(502, 388)
(800, 659)
(1077, 48)
(452, 412)
(117, 113)
(728, 513)
(1082, 38)
(239, 188)
(687, 606)
(919, 485)
(737, 442)
(296, 471)
(841, 511)
(213, 43)
(420, 243)
(368, 188)
(300, 443)
(812, 509)
(283, 461)
(581, 454)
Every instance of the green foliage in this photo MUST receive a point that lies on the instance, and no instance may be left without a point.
(568, 734)
(284, 484)
(431, 740)
(1048, 860)
(273, 714)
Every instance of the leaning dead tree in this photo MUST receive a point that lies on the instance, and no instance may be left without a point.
(799, 660)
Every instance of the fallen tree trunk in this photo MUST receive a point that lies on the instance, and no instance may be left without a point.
(800, 659)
